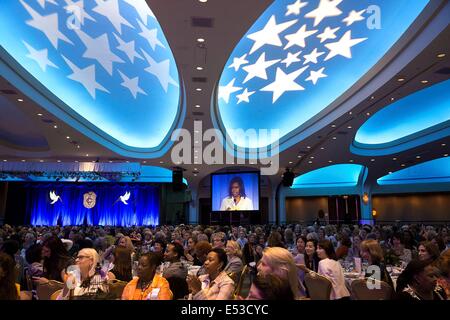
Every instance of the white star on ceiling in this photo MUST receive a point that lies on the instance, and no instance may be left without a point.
(342, 47)
(299, 37)
(328, 33)
(269, 34)
(283, 83)
(150, 35)
(141, 8)
(291, 58)
(244, 96)
(354, 16)
(43, 2)
(258, 69)
(79, 6)
(40, 56)
(110, 9)
(47, 24)
(312, 57)
(295, 7)
(86, 77)
(161, 70)
(326, 8)
(132, 85)
(238, 62)
(315, 75)
(226, 91)
(128, 48)
(99, 49)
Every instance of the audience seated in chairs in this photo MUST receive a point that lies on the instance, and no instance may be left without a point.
(215, 284)
(419, 282)
(234, 255)
(270, 287)
(9, 290)
(371, 251)
(331, 269)
(176, 272)
(148, 285)
(122, 264)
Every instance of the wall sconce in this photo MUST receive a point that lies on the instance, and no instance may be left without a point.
(365, 198)
(374, 213)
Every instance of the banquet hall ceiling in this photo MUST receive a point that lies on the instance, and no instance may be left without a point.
(140, 135)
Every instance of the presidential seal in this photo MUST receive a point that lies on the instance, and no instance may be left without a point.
(89, 199)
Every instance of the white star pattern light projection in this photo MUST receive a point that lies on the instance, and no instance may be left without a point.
(106, 60)
(299, 57)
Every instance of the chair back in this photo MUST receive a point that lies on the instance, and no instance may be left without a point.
(116, 288)
(45, 291)
(319, 287)
(244, 282)
(376, 290)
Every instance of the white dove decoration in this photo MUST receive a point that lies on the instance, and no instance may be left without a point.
(125, 197)
(54, 197)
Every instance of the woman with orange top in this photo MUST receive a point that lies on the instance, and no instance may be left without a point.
(148, 285)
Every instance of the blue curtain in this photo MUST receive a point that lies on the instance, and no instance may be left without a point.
(142, 208)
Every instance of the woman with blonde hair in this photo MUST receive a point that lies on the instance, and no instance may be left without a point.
(86, 279)
(280, 262)
(234, 254)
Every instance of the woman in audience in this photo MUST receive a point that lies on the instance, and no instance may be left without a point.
(189, 251)
(215, 284)
(270, 287)
(398, 246)
(122, 265)
(148, 285)
(354, 251)
(371, 251)
(56, 260)
(9, 290)
(331, 269)
(202, 248)
(443, 265)
(87, 280)
(311, 258)
(33, 256)
(343, 249)
(428, 251)
(299, 246)
(234, 254)
(280, 262)
(249, 253)
(418, 282)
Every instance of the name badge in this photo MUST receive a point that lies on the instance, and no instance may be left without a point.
(153, 294)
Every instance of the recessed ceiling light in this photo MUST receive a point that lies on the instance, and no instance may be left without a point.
(23, 160)
(368, 114)
(55, 126)
(309, 161)
(40, 114)
(290, 162)
(67, 137)
(372, 160)
(87, 154)
(401, 79)
(372, 97)
(334, 138)
(349, 127)
(195, 174)
(322, 148)
(20, 100)
(58, 160)
(198, 89)
(394, 159)
(311, 157)
(199, 68)
(441, 55)
(443, 144)
(78, 146)
(330, 161)
(197, 106)
(203, 1)
(41, 160)
(161, 162)
(424, 81)
(299, 157)
(351, 160)
(350, 113)
(333, 126)
(403, 165)
(392, 98)
(390, 172)
(308, 147)
(110, 161)
(446, 155)
(417, 157)
(5, 160)
(200, 40)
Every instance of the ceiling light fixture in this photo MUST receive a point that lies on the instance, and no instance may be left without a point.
(198, 89)
(67, 137)
(373, 160)
(446, 155)
(330, 161)
(309, 162)
(40, 114)
(308, 147)
(394, 159)
(349, 127)
(417, 157)
(401, 79)
(20, 100)
(403, 165)
(351, 160)
(441, 55)
(424, 81)
(197, 106)
(368, 114)
(334, 138)
(199, 68)
(201, 40)
(55, 126)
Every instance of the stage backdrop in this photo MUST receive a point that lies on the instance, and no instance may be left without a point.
(142, 207)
